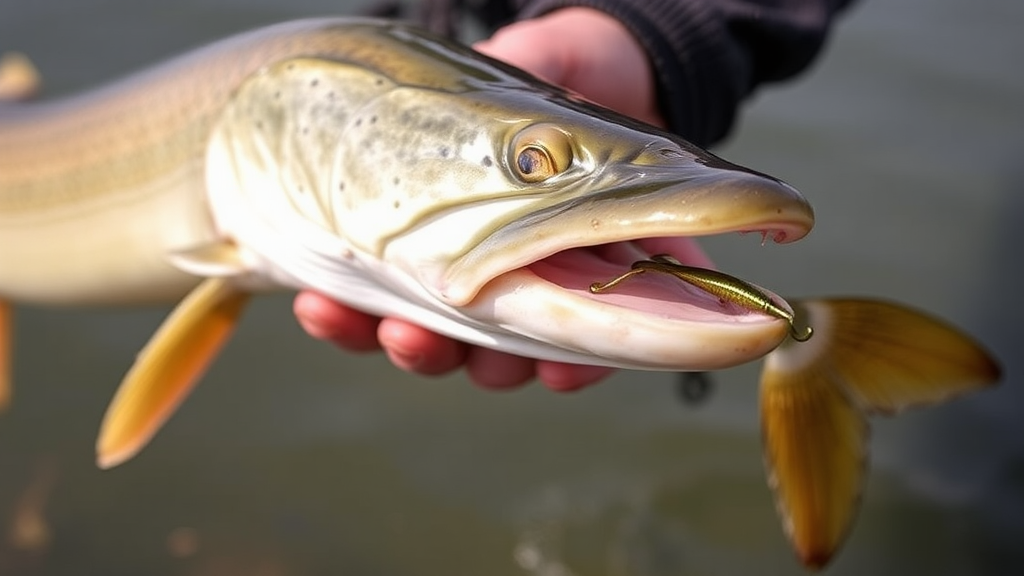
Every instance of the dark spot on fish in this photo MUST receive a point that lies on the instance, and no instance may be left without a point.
(341, 186)
(444, 151)
(395, 180)
(379, 82)
(330, 95)
(373, 119)
(302, 189)
(487, 162)
(359, 122)
(259, 125)
(277, 95)
(397, 204)
(314, 82)
(305, 130)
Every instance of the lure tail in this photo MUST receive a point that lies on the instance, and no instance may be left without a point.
(867, 357)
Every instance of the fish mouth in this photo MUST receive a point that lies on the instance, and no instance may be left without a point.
(650, 322)
(708, 202)
(577, 269)
(532, 269)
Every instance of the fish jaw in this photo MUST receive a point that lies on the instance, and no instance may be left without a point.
(652, 322)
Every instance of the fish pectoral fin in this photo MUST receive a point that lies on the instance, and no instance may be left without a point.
(220, 259)
(168, 368)
(6, 343)
(893, 357)
(815, 453)
(866, 357)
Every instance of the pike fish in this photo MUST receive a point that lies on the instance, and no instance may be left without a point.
(410, 176)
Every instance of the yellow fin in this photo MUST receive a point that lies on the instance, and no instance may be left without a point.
(814, 447)
(19, 79)
(6, 343)
(167, 369)
(892, 357)
(866, 357)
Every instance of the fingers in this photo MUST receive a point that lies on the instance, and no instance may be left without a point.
(418, 350)
(562, 377)
(409, 347)
(325, 319)
(500, 371)
(497, 370)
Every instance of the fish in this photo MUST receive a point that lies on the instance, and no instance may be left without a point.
(407, 175)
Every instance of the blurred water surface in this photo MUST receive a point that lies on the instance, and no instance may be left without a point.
(293, 459)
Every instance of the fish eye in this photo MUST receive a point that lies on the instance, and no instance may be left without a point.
(539, 152)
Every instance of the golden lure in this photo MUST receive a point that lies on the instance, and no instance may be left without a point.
(726, 287)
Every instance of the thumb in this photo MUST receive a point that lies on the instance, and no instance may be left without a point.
(517, 44)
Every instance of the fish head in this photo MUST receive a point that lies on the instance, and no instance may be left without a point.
(507, 177)
(555, 193)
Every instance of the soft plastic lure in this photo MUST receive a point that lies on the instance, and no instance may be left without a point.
(724, 286)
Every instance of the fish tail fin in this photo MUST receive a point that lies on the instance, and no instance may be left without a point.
(866, 357)
(168, 368)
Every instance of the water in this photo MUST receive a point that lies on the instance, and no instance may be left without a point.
(292, 459)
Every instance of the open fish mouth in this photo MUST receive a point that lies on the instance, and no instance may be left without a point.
(530, 260)
(651, 321)
(578, 269)
(629, 219)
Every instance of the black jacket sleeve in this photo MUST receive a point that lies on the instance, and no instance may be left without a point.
(708, 55)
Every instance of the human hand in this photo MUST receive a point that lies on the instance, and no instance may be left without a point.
(586, 51)
(576, 48)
